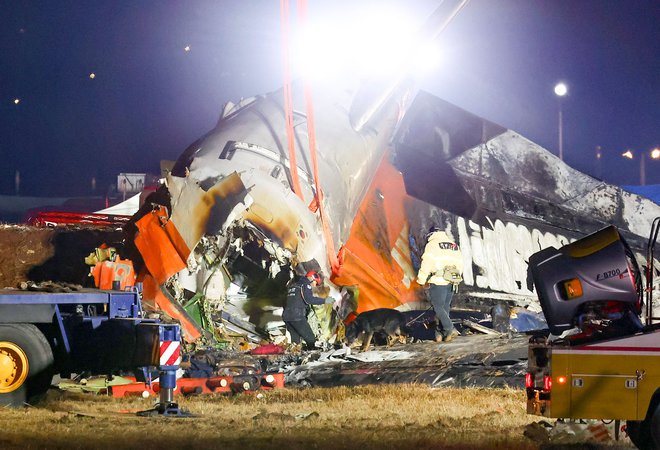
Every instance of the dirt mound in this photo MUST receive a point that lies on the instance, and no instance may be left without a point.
(49, 254)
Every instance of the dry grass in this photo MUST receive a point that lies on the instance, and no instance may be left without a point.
(366, 417)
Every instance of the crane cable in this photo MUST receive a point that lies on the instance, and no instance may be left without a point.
(311, 131)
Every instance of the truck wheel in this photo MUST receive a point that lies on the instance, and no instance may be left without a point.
(655, 426)
(26, 362)
(635, 431)
(645, 434)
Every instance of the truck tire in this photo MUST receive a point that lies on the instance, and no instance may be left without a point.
(636, 431)
(655, 426)
(645, 434)
(26, 363)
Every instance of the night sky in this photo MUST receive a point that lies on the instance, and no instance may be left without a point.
(150, 98)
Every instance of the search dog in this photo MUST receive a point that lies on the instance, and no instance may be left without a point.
(390, 322)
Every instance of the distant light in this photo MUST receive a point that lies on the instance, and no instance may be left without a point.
(561, 89)
(628, 154)
(186, 48)
(655, 153)
(17, 101)
(92, 75)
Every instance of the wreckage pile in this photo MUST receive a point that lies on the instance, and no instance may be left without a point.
(53, 259)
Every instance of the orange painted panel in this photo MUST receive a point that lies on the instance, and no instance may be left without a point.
(153, 295)
(377, 247)
(161, 247)
(164, 253)
(106, 272)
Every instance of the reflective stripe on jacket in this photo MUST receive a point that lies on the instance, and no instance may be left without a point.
(440, 252)
(299, 297)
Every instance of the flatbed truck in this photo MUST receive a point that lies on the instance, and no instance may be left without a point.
(85, 331)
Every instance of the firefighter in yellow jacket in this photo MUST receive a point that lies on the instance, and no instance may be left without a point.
(442, 269)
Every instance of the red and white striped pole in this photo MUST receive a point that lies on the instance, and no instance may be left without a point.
(170, 358)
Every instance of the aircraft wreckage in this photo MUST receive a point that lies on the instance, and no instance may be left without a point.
(350, 187)
(228, 230)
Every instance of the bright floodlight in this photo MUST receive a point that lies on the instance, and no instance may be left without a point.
(425, 59)
(17, 101)
(365, 44)
(628, 154)
(655, 153)
(561, 89)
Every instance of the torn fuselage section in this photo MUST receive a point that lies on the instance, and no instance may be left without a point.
(243, 254)
(278, 232)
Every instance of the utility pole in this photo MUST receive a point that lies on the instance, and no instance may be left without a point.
(560, 91)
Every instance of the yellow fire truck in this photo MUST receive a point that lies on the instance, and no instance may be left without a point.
(604, 363)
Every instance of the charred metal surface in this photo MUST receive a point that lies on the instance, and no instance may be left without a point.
(197, 212)
(431, 134)
(483, 361)
(345, 165)
(225, 196)
(500, 174)
(503, 197)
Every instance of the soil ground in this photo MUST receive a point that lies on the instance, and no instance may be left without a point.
(49, 254)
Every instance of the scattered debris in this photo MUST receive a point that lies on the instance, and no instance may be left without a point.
(284, 418)
(49, 286)
(571, 432)
(96, 385)
(479, 328)
(538, 432)
(477, 360)
(522, 320)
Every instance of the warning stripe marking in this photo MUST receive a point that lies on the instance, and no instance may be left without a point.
(599, 432)
(170, 353)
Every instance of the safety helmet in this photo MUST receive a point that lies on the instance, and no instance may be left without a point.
(315, 276)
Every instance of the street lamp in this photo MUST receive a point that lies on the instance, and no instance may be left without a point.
(653, 154)
(560, 91)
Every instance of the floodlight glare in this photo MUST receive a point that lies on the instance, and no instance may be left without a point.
(426, 58)
(561, 89)
(368, 44)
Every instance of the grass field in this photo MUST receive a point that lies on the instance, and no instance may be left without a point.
(366, 417)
